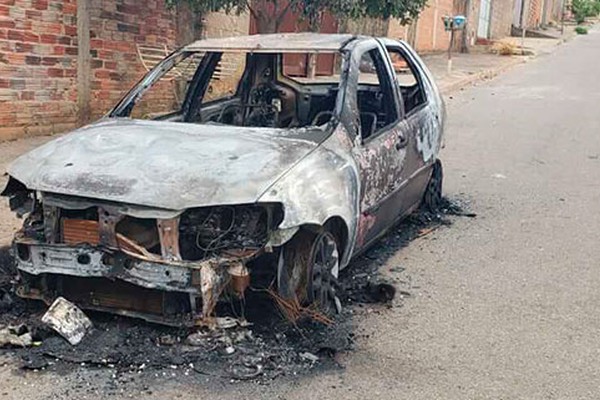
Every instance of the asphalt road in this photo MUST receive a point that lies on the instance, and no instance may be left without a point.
(503, 306)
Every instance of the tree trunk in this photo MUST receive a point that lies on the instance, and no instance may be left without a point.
(266, 23)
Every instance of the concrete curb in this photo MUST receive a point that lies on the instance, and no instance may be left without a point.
(482, 75)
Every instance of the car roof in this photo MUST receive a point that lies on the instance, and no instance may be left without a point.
(275, 42)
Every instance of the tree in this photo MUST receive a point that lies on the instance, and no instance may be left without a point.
(269, 14)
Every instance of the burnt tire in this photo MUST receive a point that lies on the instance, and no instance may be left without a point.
(432, 199)
(309, 269)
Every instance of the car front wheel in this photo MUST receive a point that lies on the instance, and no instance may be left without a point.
(308, 270)
(432, 199)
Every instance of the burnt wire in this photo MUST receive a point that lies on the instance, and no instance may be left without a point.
(216, 240)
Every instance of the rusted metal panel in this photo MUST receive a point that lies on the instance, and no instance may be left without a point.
(77, 231)
(168, 231)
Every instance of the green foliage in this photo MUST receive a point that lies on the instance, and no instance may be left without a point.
(585, 8)
(310, 10)
(581, 30)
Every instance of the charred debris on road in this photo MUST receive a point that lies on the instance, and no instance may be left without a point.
(252, 341)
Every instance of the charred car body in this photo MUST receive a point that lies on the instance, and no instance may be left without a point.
(284, 154)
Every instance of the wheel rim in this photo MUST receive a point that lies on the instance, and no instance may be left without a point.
(323, 271)
(434, 191)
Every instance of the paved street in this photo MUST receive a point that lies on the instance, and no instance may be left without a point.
(503, 306)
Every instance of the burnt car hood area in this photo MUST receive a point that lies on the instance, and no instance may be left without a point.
(166, 165)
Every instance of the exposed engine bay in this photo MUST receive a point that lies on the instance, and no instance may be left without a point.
(170, 269)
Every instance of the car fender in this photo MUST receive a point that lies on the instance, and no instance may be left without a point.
(323, 185)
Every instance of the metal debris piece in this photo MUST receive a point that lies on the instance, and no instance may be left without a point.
(227, 322)
(68, 320)
(309, 357)
(240, 278)
(14, 336)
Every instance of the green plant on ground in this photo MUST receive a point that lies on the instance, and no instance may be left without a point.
(581, 30)
(585, 8)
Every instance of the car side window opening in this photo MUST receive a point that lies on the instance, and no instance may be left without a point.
(413, 95)
(376, 102)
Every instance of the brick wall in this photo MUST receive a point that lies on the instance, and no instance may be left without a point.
(116, 30)
(38, 56)
(534, 17)
(502, 16)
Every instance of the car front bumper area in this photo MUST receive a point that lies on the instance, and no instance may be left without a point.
(176, 293)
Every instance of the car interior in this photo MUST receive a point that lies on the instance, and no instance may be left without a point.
(262, 90)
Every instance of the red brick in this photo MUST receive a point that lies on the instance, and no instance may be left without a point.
(32, 60)
(16, 58)
(30, 37)
(55, 72)
(4, 83)
(106, 54)
(70, 8)
(50, 60)
(4, 11)
(96, 43)
(40, 4)
(7, 24)
(70, 30)
(66, 40)
(102, 74)
(25, 96)
(16, 35)
(33, 14)
(50, 39)
(58, 50)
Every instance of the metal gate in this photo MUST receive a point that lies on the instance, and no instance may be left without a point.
(483, 28)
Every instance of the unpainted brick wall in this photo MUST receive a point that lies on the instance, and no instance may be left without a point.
(502, 16)
(534, 17)
(116, 29)
(38, 57)
(38, 67)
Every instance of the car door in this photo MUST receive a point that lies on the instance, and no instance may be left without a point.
(381, 151)
(422, 119)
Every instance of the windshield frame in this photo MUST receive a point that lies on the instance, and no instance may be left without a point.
(197, 87)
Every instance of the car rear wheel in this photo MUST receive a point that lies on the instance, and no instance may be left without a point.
(308, 270)
(432, 200)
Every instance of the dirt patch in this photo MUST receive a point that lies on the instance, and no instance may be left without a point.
(136, 353)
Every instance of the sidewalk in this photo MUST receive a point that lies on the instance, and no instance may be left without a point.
(480, 64)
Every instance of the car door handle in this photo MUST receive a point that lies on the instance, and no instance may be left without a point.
(402, 142)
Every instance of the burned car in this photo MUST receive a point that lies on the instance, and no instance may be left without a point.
(277, 155)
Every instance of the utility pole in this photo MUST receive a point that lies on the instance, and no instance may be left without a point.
(464, 42)
(524, 19)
